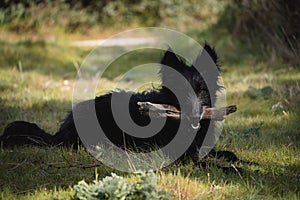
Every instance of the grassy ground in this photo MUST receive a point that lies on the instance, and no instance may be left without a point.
(36, 80)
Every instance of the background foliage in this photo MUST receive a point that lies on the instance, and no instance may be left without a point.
(272, 25)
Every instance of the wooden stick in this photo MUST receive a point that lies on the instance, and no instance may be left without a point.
(164, 110)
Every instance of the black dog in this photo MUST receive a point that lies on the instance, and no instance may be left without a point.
(25, 133)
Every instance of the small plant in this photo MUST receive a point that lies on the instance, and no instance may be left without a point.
(254, 93)
(144, 186)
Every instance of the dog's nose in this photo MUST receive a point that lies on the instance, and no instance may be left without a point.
(195, 117)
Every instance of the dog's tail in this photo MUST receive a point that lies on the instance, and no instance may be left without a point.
(24, 133)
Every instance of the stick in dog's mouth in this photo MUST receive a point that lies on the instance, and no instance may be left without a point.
(164, 110)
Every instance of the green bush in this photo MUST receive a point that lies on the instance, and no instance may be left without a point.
(116, 187)
(31, 16)
(80, 15)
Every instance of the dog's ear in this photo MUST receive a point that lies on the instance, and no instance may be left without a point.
(212, 53)
(170, 59)
(206, 64)
(207, 59)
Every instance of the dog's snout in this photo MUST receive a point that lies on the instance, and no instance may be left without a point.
(195, 117)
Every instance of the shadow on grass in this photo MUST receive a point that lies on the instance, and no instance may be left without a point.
(26, 169)
(61, 60)
(41, 57)
(21, 172)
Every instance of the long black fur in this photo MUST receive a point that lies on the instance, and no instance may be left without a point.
(25, 133)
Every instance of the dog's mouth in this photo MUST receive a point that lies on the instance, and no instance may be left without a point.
(195, 121)
(195, 125)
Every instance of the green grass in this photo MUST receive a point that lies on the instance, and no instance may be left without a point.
(36, 80)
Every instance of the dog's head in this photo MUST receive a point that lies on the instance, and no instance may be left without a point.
(196, 84)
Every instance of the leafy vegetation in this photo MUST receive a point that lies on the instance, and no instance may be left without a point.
(116, 187)
(89, 14)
